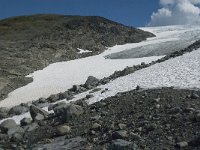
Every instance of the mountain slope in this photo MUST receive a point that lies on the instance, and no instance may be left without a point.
(30, 43)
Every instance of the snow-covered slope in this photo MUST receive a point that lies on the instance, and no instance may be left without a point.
(59, 77)
(180, 72)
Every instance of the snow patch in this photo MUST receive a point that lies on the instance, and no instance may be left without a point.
(81, 51)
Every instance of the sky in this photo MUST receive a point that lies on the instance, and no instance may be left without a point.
(136, 13)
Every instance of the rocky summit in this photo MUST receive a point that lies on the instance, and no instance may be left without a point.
(29, 43)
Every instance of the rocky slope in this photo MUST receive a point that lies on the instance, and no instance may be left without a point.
(141, 119)
(30, 43)
(165, 118)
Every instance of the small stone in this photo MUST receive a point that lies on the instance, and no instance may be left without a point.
(135, 136)
(39, 117)
(76, 88)
(157, 100)
(95, 118)
(96, 126)
(182, 144)
(122, 126)
(89, 96)
(158, 106)
(137, 87)
(197, 117)
(62, 130)
(120, 134)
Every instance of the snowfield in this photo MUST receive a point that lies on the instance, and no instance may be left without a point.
(58, 77)
(180, 72)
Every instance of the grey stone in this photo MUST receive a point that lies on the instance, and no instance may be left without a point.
(59, 107)
(182, 144)
(18, 110)
(76, 88)
(3, 137)
(62, 130)
(89, 96)
(194, 96)
(34, 111)
(16, 137)
(72, 111)
(96, 126)
(197, 117)
(91, 81)
(53, 98)
(25, 121)
(120, 144)
(120, 134)
(4, 110)
(31, 127)
(122, 126)
(15, 130)
(39, 117)
(7, 124)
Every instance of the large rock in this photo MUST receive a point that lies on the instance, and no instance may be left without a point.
(7, 124)
(91, 81)
(34, 111)
(72, 111)
(3, 112)
(59, 108)
(18, 110)
(14, 130)
(120, 144)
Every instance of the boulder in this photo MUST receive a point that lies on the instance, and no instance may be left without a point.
(17, 129)
(91, 81)
(7, 124)
(59, 108)
(120, 144)
(34, 111)
(72, 111)
(18, 110)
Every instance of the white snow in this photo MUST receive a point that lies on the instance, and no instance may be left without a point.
(81, 51)
(180, 72)
(59, 77)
